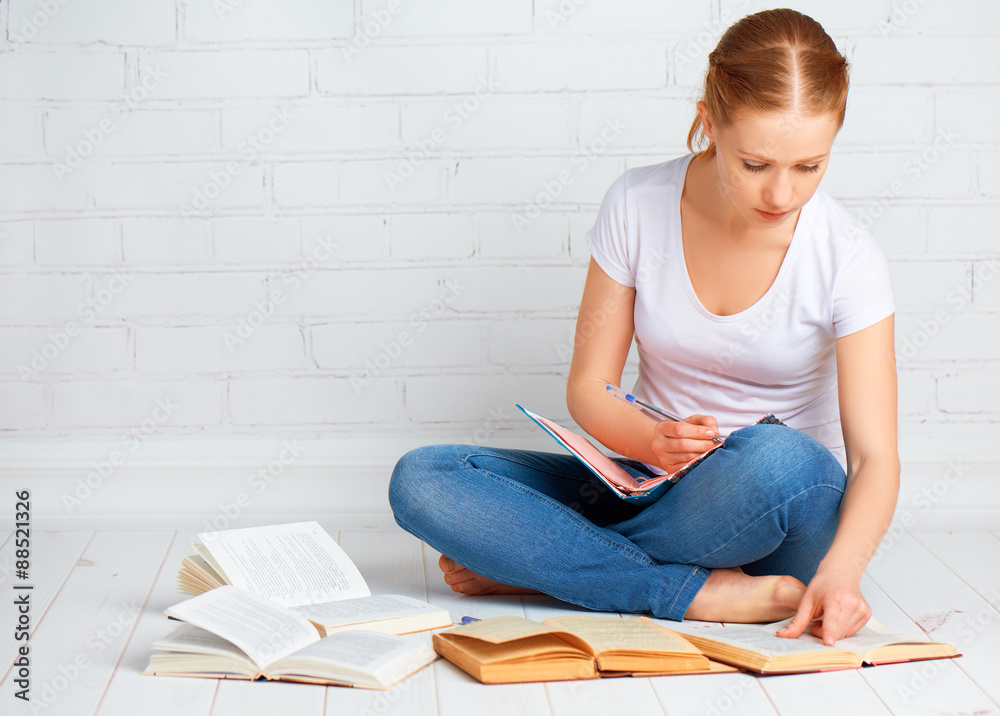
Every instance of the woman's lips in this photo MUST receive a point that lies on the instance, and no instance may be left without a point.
(773, 217)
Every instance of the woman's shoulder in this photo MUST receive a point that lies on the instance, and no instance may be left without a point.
(653, 177)
(833, 222)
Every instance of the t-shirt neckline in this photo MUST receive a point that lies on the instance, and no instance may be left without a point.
(784, 269)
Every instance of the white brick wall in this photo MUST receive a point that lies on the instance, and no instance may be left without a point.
(36, 72)
(260, 21)
(380, 69)
(290, 121)
(73, 24)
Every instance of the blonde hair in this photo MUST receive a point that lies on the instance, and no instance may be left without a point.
(772, 61)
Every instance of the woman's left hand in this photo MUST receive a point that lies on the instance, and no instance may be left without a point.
(836, 597)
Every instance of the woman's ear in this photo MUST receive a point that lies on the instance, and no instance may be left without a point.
(706, 120)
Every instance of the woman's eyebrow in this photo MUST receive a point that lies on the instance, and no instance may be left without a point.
(771, 161)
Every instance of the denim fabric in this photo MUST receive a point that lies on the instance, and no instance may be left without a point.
(767, 500)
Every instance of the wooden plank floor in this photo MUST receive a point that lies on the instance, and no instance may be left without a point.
(99, 597)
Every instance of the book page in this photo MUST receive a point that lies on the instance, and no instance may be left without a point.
(759, 639)
(500, 630)
(199, 562)
(208, 559)
(605, 467)
(263, 631)
(365, 650)
(362, 658)
(497, 630)
(871, 636)
(196, 575)
(189, 639)
(287, 564)
(630, 633)
(361, 609)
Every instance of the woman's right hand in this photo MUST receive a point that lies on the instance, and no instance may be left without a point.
(676, 444)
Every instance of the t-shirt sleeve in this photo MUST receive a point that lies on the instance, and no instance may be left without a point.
(863, 291)
(608, 238)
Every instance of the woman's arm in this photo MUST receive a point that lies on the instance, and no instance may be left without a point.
(866, 375)
(604, 329)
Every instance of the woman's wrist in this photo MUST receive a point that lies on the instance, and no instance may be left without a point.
(848, 567)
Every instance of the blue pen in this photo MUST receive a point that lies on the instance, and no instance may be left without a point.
(469, 620)
(651, 410)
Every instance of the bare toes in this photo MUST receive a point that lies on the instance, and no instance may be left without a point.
(466, 587)
(459, 575)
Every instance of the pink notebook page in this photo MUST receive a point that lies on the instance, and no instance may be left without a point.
(585, 450)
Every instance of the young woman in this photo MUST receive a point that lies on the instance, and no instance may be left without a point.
(748, 291)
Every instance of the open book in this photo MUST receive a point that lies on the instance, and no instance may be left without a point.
(505, 650)
(755, 647)
(301, 566)
(230, 633)
(288, 564)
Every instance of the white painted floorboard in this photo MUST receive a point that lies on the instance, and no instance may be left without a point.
(99, 597)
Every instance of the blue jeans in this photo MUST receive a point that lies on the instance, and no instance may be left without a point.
(767, 500)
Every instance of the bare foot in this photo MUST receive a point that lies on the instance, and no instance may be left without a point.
(466, 582)
(732, 595)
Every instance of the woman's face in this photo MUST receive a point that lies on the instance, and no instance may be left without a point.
(770, 164)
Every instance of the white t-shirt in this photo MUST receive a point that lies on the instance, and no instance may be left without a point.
(777, 356)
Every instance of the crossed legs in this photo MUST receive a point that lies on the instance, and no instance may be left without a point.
(505, 520)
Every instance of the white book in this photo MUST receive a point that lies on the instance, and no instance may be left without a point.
(230, 633)
(301, 566)
(390, 613)
(289, 564)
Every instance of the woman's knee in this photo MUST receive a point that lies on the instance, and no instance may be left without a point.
(420, 479)
(783, 460)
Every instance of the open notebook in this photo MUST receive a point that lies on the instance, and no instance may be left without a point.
(637, 489)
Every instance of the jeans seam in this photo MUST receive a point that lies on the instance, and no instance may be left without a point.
(760, 517)
(588, 526)
(510, 458)
(673, 604)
